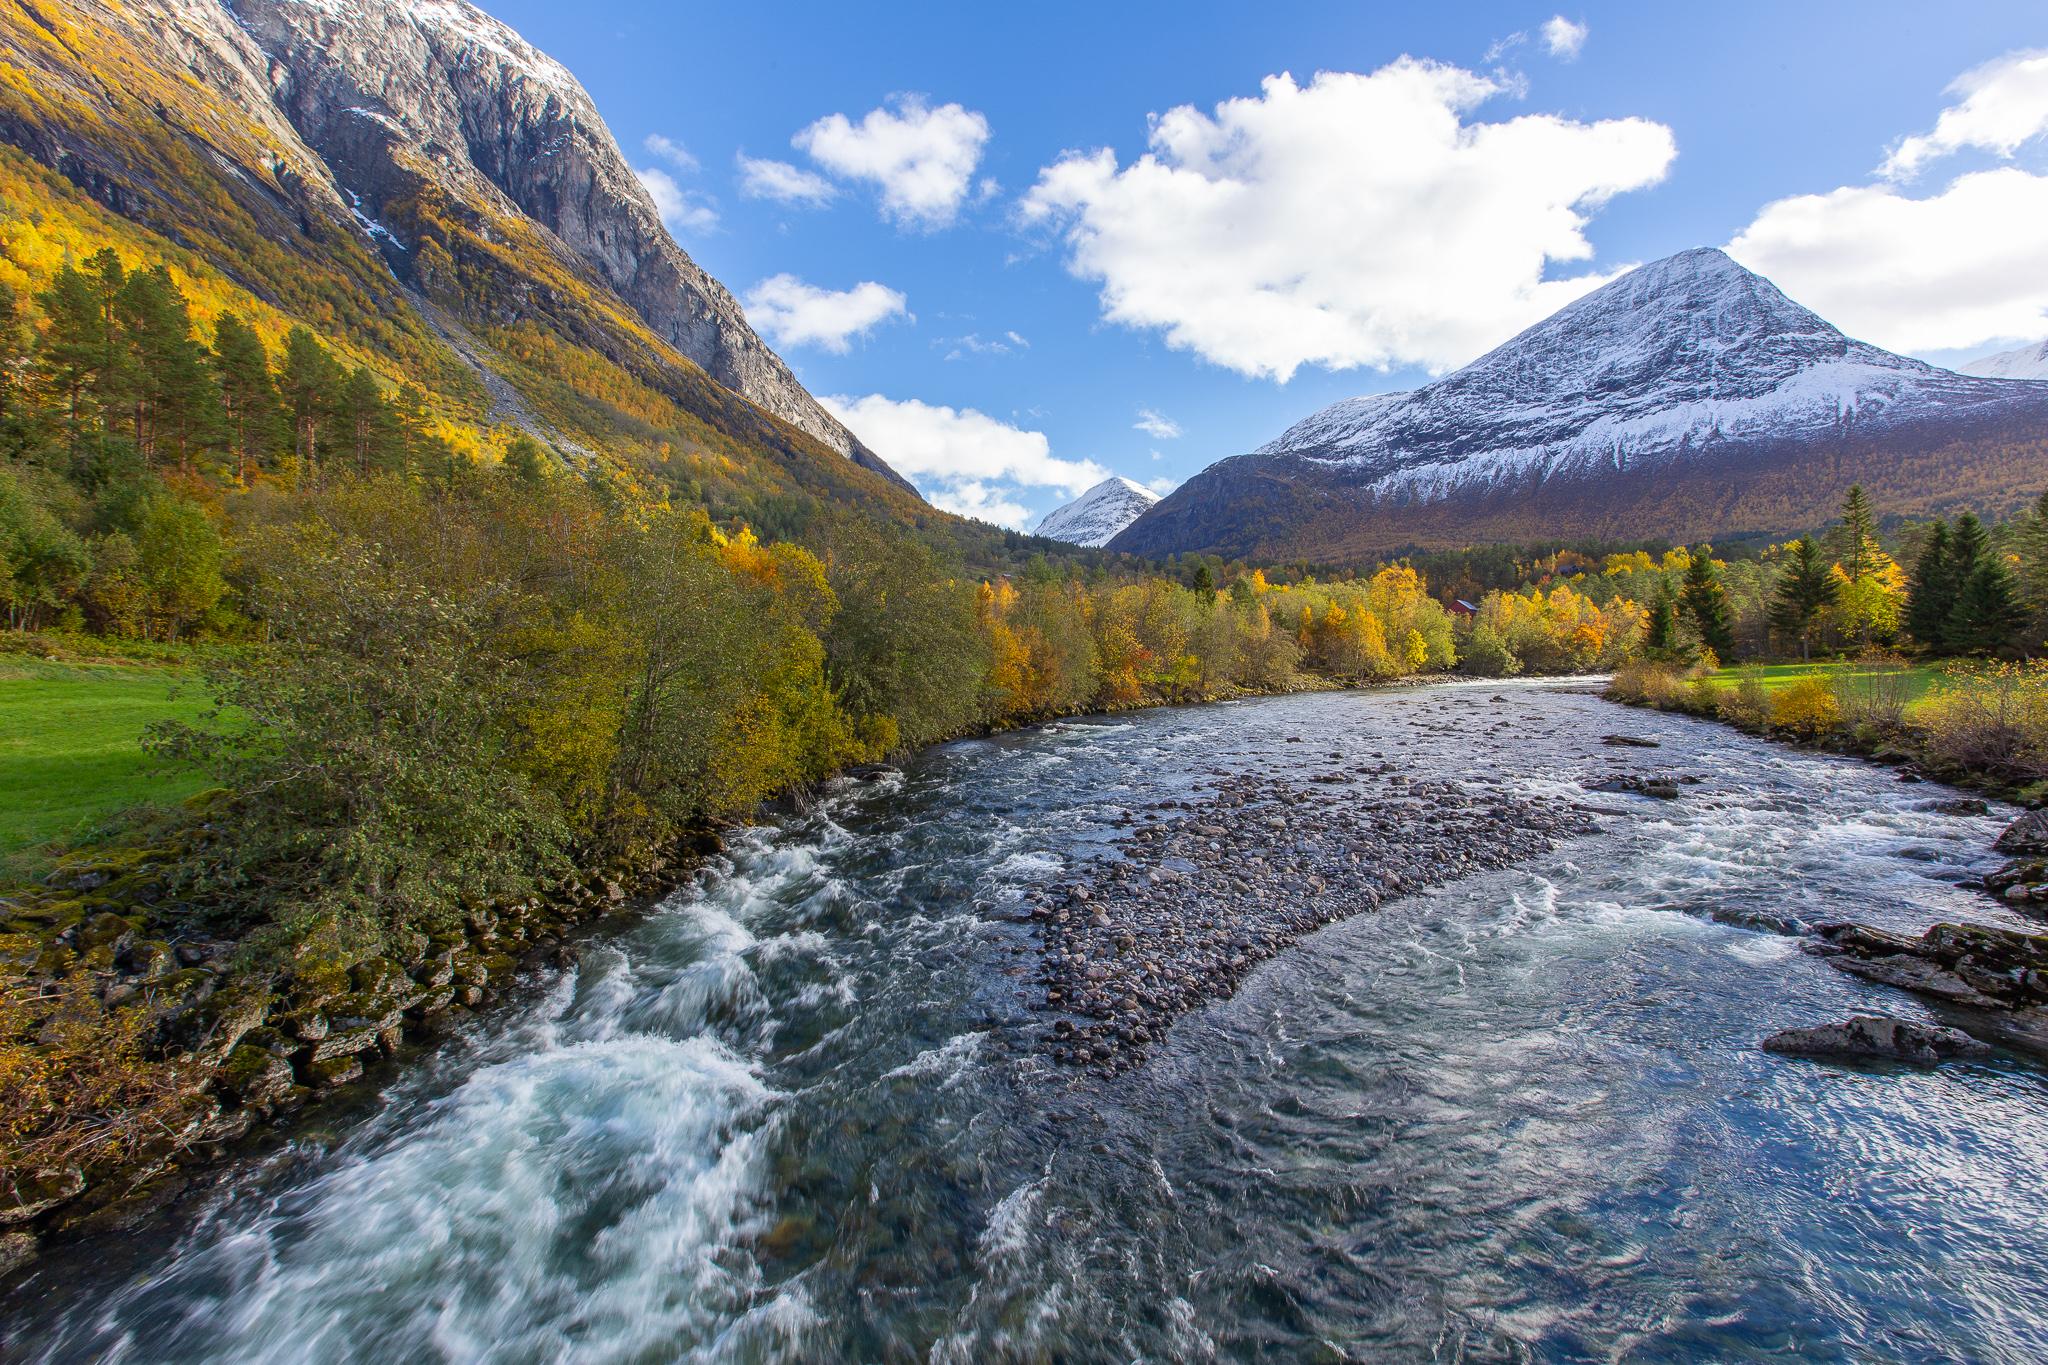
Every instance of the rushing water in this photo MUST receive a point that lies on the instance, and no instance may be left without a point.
(797, 1114)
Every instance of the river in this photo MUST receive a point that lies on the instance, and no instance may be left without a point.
(800, 1112)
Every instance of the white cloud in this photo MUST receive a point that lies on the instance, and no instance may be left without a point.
(1359, 220)
(778, 180)
(922, 159)
(1563, 38)
(963, 460)
(679, 208)
(799, 314)
(1154, 425)
(1960, 268)
(973, 343)
(1162, 485)
(671, 151)
(2005, 103)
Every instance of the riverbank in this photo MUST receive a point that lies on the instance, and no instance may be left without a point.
(184, 1048)
(804, 1111)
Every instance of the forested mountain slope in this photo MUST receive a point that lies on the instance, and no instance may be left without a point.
(463, 222)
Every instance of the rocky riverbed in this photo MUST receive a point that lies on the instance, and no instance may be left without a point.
(1199, 892)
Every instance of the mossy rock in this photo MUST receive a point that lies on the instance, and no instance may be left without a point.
(218, 1022)
(102, 929)
(330, 1072)
(254, 1077)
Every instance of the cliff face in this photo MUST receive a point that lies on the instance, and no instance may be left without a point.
(405, 96)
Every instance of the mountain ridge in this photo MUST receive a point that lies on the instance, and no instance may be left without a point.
(1680, 399)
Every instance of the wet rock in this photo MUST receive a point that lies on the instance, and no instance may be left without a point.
(1630, 742)
(1632, 784)
(330, 1072)
(256, 1078)
(2026, 837)
(1958, 806)
(17, 1249)
(25, 1197)
(1877, 1036)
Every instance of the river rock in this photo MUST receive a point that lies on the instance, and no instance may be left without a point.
(1191, 903)
(23, 1198)
(17, 1249)
(2026, 837)
(1877, 1036)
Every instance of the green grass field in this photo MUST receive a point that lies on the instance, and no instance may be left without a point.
(71, 745)
(1920, 679)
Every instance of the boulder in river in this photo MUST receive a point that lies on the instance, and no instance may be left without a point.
(2026, 837)
(1879, 1037)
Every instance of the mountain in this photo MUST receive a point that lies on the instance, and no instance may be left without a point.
(2026, 362)
(437, 198)
(1097, 515)
(1687, 399)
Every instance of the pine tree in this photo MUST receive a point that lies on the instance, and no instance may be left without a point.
(2030, 539)
(1660, 636)
(1932, 595)
(1854, 542)
(1803, 588)
(174, 405)
(1204, 580)
(12, 351)
(1987, 617)
(248, 397)
(308, 380)
(375, 439)
(73, 350)
(1705, 603)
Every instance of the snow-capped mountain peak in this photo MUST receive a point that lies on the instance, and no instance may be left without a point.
(1688, 397)
(1097, 515)
(2026, 362)
(1680, 353)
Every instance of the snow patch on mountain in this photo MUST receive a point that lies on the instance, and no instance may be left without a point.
(1097, 515)
(2025, 362)
(1668, 361)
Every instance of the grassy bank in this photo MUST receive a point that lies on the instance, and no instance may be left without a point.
(1975, 725)
(71, 755)
(1915, 681)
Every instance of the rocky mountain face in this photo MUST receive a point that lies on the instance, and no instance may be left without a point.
(1687, 399)
(420, 160)
(402, 97)
(1096, 516)
(2024, 362)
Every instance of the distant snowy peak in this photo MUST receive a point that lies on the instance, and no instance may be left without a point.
(1096, 516)
(2028, 362)
(1683, 353)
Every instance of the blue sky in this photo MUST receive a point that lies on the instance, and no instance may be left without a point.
(1307, 242)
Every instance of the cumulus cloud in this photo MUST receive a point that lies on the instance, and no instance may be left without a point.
(680, 209)
(1159, 428)
(921, 159)
(798, 314)
(671, 151)
(1959, 268)
(761, 178)
(1563, 38)
(963, 460)
(1358, 220)
(2004, 104)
